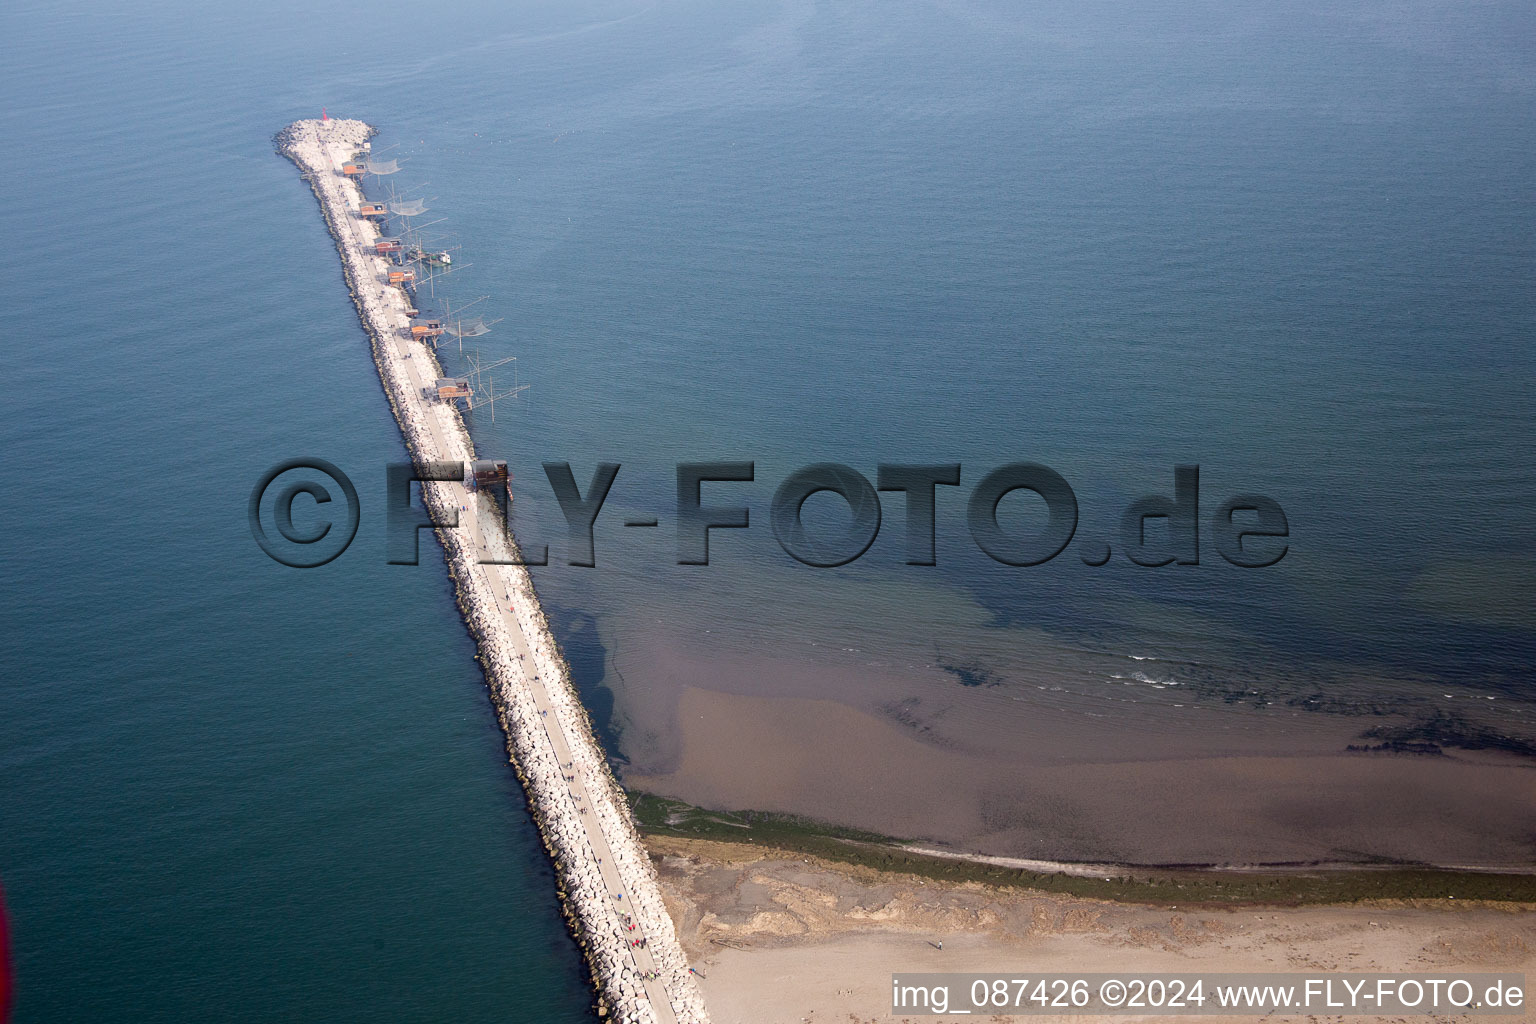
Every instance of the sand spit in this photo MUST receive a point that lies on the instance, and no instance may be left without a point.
(608, 885)
(781, 937)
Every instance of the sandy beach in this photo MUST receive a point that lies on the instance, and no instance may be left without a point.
(778, 937)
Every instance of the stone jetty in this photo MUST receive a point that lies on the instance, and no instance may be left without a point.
(608, 885)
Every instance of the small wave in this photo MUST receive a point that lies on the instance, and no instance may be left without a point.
(1101, 652)
(1144, 679)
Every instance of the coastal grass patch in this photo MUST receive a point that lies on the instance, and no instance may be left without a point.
(1297, 886)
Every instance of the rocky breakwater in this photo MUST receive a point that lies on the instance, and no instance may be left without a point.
(608, 885)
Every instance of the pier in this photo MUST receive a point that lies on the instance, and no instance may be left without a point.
(608, 885)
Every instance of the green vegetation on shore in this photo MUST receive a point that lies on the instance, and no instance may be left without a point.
(666, 817)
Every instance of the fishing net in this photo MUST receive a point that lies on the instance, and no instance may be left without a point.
(468, 328)
(408, 207)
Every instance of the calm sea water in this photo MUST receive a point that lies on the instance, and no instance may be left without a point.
(1292, 245)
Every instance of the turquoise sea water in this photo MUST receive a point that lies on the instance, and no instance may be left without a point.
(1293, 245)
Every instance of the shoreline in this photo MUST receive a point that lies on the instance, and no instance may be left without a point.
(664, 821)
(607, 885)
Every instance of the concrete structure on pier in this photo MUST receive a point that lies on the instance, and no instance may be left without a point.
(488, 475)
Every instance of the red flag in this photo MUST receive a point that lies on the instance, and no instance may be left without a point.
(5, 966)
